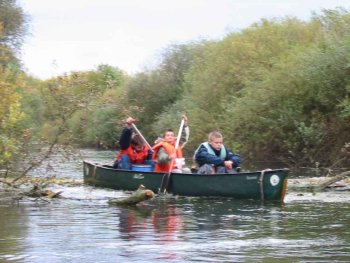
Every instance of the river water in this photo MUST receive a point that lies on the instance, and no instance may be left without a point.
(82, 227)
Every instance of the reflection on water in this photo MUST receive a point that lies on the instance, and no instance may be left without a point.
(175, 229)
(82, 227)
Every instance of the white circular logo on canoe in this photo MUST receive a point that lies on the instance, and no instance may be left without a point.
(274, 179)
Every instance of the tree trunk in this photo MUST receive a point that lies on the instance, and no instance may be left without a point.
(140, 195)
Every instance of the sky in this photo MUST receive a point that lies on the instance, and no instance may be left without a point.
(79, 35)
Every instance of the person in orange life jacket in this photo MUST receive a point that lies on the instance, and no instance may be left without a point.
(132, 149)
(164, 154)
(214, 157)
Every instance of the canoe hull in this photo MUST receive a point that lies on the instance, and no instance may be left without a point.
(264, 185)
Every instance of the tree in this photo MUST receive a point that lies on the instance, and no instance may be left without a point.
(14, 23)
(155, 91)
(12, 130)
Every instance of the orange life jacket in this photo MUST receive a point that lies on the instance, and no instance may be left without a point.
(135, 157)
(170, 149)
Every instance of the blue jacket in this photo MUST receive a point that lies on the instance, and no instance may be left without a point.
(202, 156)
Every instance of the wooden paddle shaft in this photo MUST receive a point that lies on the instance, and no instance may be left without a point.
(139, 133)
(166, 177)
(179, 134)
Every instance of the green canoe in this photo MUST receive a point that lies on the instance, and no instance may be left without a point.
(264, 185)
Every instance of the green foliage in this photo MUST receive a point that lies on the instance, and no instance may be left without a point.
(12, 128)
(155, 91)
(13, 24)
(85, 105)
(274, 90)
(278, 91)
(14, 132)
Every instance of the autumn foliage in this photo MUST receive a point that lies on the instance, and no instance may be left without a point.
(278, 91)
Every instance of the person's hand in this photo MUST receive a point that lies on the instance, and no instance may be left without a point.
(172, 156)
(184, 117)
(130, 120)
(228, 164)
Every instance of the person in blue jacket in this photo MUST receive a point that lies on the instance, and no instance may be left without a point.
(213, 157)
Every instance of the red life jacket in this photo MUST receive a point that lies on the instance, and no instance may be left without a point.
(170, 149)
(135, 157)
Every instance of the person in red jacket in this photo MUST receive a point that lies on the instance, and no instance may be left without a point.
(165, 154)
(133, 149)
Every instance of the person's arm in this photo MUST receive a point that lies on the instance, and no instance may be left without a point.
(125, 137)
(235, 158)
(203, 157)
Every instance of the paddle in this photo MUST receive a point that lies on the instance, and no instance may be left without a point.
(143, 138)
(166, 177)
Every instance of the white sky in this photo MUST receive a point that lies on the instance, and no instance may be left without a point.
(74, 35)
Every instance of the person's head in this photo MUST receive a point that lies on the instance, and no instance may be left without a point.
(215, 139)
(169, 136)
(137, 142)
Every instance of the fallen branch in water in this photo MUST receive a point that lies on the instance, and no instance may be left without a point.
(331, 180)
(12, 191)
(316, 183)
(8, 183)
(140, 195)
(38, 191)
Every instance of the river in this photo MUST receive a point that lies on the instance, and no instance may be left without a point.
(82, 227)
